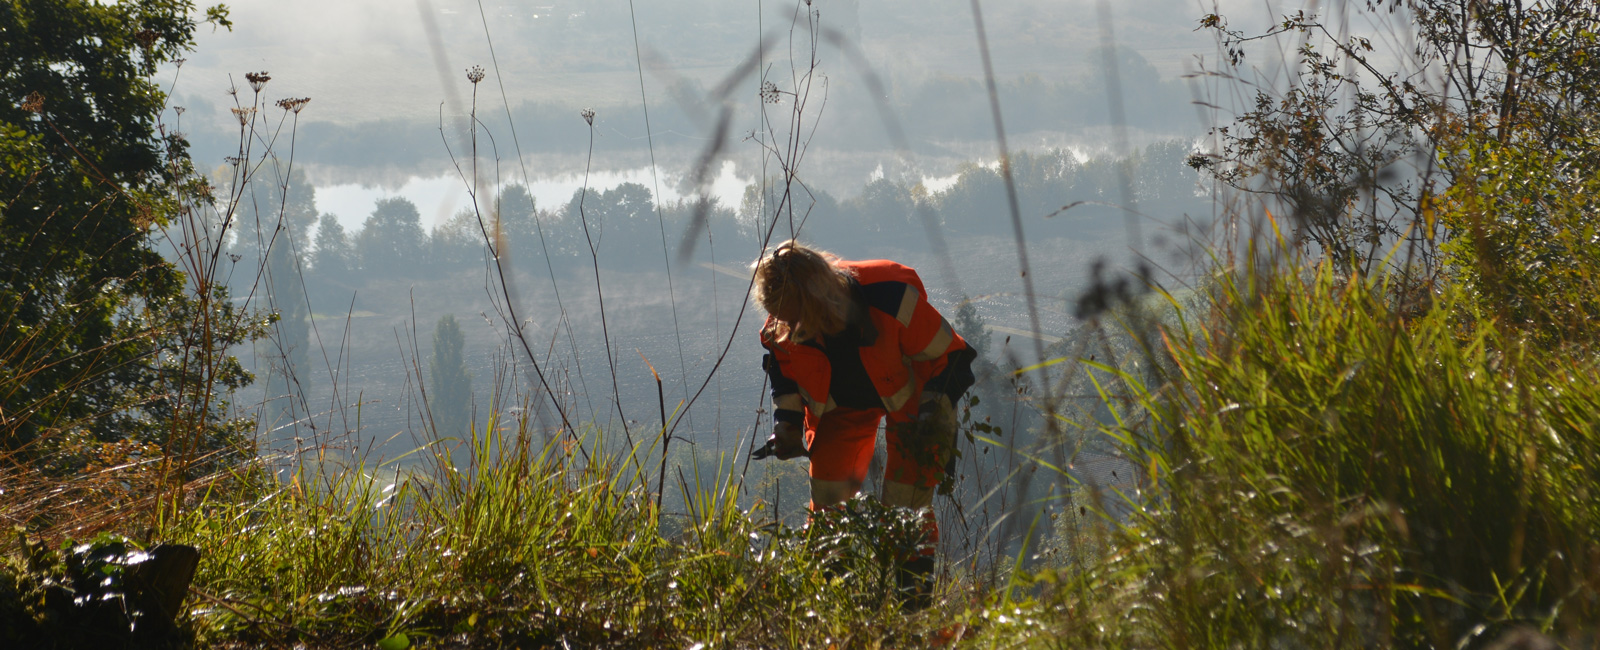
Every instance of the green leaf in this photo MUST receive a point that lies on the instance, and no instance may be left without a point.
(396, 641)
(218, 17)
(1046, 364)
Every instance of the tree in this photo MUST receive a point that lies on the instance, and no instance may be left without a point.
(516, 212)
(331, 262)
(976, 202)
(1357, 158)
(971, 326)
(818, 210)
(279, 217)
(511, 226)
(450, 393)
(332, 256)
(86, 303)
(885, 206)
(1165, 186)
(391, 241)
(457, 243)
(623, 224)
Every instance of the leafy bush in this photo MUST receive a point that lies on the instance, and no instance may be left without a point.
(1525, 234)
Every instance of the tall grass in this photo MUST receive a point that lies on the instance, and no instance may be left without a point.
(1324, 469)
(531, 545)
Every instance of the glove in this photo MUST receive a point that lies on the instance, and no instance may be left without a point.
(787, 441)
(936, 415)
(930, 439)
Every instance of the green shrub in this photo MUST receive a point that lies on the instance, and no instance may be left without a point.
(1524, 237)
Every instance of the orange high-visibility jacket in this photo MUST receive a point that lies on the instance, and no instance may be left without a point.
(912, 346)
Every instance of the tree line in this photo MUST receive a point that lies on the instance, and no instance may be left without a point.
(629, 231)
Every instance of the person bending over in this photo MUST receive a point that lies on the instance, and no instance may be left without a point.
(850, 343)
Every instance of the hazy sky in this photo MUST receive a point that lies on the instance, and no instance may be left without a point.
(366, 59)
(395, 63)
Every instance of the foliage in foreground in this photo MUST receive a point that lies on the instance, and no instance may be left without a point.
(1325, 465)
(536, 546)
(97, 332)
(1328, 473)
(1320, 470)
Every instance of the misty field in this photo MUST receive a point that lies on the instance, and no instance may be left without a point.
(1317, 370)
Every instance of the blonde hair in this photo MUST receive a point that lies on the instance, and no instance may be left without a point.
(807, 282)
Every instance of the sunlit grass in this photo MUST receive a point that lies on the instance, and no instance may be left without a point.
(1322, 469)
(532, 544)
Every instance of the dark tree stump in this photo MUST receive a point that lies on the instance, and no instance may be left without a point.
(157, 586)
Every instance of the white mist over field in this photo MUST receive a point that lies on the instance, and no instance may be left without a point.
(441, 197)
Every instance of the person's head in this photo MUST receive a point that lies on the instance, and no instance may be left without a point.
(805, 290)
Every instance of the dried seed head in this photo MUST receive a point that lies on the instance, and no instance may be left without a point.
(179, 109)
(243, 114)
(769, 92)
(293, 104)
(146, 38)
(257, 79)
(475, 74)
(588, 115)
(144, 217)
(234, 160)
(33, 103)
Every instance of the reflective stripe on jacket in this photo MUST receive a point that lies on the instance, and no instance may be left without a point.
(912, 346)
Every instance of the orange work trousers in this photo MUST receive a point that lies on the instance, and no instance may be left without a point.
(842, 443)
(841, 448)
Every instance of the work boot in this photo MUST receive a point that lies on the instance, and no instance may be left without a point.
(915, 582)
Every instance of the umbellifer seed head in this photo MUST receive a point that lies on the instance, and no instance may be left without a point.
(257, 79)
(293, 104)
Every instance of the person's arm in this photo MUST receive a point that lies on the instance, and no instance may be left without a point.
(786, 403)
(788, 411)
